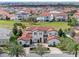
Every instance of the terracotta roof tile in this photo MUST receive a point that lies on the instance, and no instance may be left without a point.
(51, 37)
(45, 14)
(25, 36)
(41, 28)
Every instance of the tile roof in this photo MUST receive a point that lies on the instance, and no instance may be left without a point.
(45, 14)
(5, 13)
(25, 36)
(77, 13)
(41, 28)
(51, 37)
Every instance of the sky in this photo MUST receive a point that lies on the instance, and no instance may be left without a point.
(37, 0)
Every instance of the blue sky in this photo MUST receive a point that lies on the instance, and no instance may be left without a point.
(36, 0)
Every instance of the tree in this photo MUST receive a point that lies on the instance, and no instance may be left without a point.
(40, 49)
(72, 47)
(14, 48)
(32, 21)
(76, 49)
(12, 38)
(73, 22)
(20, 24)
(15, 30)
(69, 45)
(61, 33)
(71, 19)
(19, 33)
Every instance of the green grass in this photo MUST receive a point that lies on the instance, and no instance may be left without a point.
(56, 25)
(6, 24)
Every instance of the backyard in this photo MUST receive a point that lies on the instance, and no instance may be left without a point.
(57, 25)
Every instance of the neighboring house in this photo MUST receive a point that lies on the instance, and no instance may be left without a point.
(45, 16)
(2, 17)
(4, 36)
(21, 15)
(77, 16)
(61, 17)
(38, 34)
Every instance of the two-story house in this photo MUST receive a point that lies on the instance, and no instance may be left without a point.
(39, 34)
(76, 15)
(61, 17)
(21, 15)
(45, 16)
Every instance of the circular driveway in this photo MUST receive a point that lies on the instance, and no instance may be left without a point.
(54, 50)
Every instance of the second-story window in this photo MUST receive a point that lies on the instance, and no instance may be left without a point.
(50, 34)
(40, 33)
(45, 32)
(35, 33)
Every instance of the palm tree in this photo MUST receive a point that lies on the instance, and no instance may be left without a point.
(13, 48)
(76, 49)
(69, 45)
(73, 47)
(40, 50)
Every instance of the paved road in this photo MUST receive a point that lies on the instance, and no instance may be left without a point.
(49, 55)
(45, 55)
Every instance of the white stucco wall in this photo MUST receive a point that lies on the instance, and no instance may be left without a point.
(44, 18)
(35, 38)
(24, 42)
(52, 33)
(51, 42)
(38, 36)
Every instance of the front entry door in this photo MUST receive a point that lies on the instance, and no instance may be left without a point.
(40, 40)
(45, 40)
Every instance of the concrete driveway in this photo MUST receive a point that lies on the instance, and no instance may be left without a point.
(54, 50)
(27, 50)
